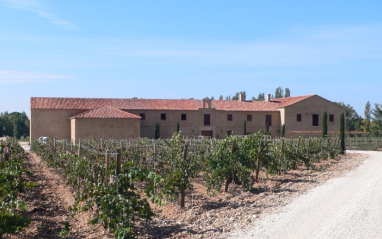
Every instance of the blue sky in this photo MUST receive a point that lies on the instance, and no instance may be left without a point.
(182, 49)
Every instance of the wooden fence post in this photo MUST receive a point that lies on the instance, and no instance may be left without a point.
(281, 155)
(119, 159)
(107, 167)
(79, 149)
(183, 189)
(259, 157)
(308, 150)
(296, 158)
(155, 156)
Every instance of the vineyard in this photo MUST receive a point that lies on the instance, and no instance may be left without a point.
(363, 143)
(117, 179)
(12, 182)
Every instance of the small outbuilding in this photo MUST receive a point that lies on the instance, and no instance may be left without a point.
(105, 121)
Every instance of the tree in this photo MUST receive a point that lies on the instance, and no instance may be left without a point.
(177, 127)
(157, 131)
(367, 116)
(353, 120)
(325, 125)
(15, 124)
(377, 120)
(279, 93)
(267, 127)
(283, 131)
(236, 96)
(260, 97)
(221, 97)
(287, 92)
(342, 132)
(245, 127)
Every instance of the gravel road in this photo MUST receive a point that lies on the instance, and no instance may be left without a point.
(346, 207)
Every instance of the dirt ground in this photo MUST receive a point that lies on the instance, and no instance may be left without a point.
(216, 216)
(203, 217)
(48, 205)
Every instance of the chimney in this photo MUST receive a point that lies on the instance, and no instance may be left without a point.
(240, 97)
(268, 98)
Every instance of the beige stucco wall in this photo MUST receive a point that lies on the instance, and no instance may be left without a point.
(190, 126)
(101, 128)
(51, 123)
(57, 123)
(308, 107)
(194, 123)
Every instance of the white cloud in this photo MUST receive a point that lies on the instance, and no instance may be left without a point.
(16, 77)
(37, 7)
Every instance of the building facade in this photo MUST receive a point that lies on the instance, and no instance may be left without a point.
(84, 118)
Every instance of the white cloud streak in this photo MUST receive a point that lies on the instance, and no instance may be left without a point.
(17, 77)
(38, 8)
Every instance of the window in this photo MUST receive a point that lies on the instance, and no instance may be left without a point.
(268, 118)
(183, 117)
(331, 118)
(163, 116)
(229, 132)
(207, 119)
(315, 120)
(229, 117)
(298, 117)
(143, 116)
(249, 117)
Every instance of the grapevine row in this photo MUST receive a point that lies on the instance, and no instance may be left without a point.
(12, 182)
(111, 177)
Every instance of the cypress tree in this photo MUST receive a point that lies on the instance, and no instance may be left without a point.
(325, 125)
(157, 133)
(177, 127)
(245, 127)
(342, 133)
(283, 131)
(267, 127)
(367, 117)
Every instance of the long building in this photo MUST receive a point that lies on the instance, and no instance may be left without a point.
(84, 118)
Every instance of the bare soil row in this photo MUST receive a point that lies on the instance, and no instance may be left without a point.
(204, 216)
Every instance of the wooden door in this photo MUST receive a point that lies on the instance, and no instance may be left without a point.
(207, 133)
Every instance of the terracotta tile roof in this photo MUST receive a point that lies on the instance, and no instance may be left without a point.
(284, 102)
(160, 104)
(234, 105)
(127, 104)
(106, 112)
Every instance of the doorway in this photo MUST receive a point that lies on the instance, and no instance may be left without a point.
(207, 133)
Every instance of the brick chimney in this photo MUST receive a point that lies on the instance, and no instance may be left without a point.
(268, 98)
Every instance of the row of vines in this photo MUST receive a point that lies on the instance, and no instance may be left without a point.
(363, 143)
(115, 178)
(12, 182)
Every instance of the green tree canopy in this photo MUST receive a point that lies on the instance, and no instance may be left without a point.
(353, 120)
(279, 93)
(377, 120)
(15, 124)
(367, 116)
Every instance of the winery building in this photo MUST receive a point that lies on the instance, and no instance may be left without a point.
(86, 118)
